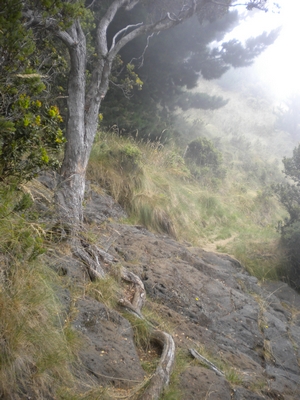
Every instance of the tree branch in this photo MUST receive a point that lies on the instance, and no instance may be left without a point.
(104, 24)
(163, 24)
(121, 31)
(144, 52)
(65, 38)
(131, 5)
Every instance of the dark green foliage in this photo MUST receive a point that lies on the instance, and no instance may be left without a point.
(235, 54)
(290, 239)
(170, 63)
(30, 125)
(200, 101)
(202, 152)
(289, 195)
(292, 166)
(19, 238)
(202, 158)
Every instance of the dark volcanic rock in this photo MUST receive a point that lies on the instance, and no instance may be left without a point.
(200, 383)
(215, 304)
(244, 394)
(100, 207)
(108, 351)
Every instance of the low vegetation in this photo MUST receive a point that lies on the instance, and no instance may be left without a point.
(213, 208)
(37, 344)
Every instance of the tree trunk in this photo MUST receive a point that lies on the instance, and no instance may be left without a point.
(69, 195)
(82, 122)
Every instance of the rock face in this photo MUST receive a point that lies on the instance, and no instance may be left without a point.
(108, 343)
(212, 305)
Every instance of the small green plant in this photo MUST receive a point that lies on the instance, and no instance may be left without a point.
(141, 329)
(104, 290)
(233, 376)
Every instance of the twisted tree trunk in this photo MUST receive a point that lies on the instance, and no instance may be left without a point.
(84, 102)
(82, 122)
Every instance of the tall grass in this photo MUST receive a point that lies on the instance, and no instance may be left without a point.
(37, 344)
(158, 190)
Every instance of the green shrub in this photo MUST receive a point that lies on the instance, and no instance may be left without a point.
(289, 195)
(203, 153)
(122, 153)
(290, 239)
(204, 159)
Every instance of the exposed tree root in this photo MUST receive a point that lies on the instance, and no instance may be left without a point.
(205, 361)
(90, 255)
(161, 377)
(95, 259)
(136, 304)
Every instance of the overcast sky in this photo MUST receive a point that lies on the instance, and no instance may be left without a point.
(279, 65)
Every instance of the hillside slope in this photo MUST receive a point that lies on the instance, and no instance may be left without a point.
(207, 301)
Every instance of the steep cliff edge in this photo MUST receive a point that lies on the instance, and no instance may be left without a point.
(247, 329)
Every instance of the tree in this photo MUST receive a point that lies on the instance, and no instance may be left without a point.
(174, 61)
(86, 92)
(289, 195)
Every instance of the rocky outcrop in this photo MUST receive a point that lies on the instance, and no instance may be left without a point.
(250, 329)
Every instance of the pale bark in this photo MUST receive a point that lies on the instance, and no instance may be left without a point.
(205, 361)
(84, 103)
(161, 377)
(72, 183)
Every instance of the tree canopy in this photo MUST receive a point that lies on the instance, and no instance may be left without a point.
(169, 64)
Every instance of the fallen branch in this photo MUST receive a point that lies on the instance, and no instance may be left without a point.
(205, 361)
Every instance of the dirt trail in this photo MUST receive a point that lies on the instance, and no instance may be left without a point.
(218, 244)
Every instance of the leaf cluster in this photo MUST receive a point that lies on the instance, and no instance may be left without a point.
(31, 127)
